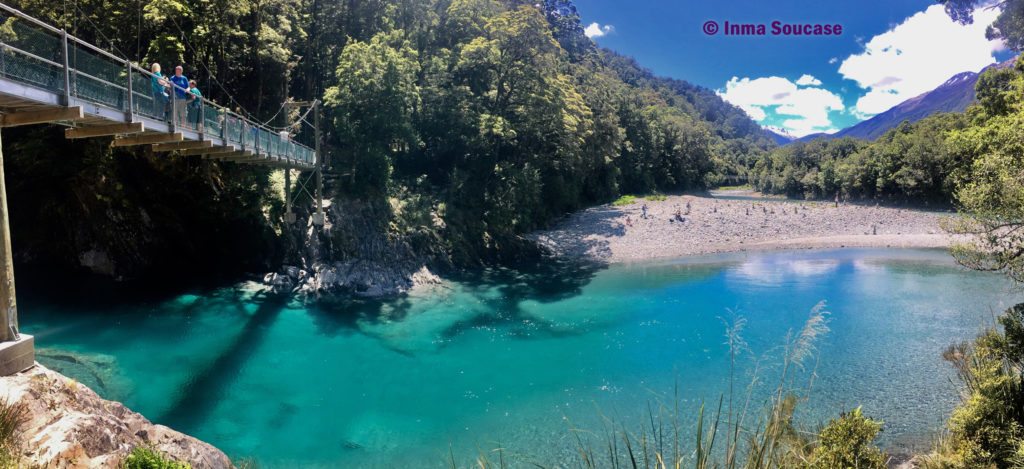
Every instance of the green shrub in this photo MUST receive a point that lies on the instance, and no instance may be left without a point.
(848, 443)
(656, 197)
(147, 458)
(987, 429)
(742, 187)
(624, 200)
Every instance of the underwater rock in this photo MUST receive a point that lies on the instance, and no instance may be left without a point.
(71, 426)
(97, 371)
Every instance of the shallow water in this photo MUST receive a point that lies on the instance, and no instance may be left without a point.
(504, 359)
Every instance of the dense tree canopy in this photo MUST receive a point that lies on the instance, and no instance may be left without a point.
(911, 163)
(501, 113)
(991, 184)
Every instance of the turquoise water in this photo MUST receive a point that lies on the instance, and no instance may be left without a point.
(504, 359)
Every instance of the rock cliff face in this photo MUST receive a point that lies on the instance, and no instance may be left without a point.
(71, 427)
(362, 250)
(84, 208)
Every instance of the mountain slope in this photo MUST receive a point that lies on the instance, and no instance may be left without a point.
(954, 95)
(779, 135)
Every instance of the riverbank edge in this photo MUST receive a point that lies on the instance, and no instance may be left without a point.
(812, 244)
(69, 425)
(683, 226)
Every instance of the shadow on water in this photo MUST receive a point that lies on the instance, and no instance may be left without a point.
(199, 394)
(46, 289)
(501, 289)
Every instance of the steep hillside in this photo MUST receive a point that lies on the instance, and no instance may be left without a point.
(954, 95)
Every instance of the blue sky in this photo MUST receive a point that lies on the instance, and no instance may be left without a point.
(889, 51)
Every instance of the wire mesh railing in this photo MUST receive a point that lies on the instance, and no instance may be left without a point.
(36, 54)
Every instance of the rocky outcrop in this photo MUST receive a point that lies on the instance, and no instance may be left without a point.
(70, 426)
(360, 278)
(365, 249)
(366, 279)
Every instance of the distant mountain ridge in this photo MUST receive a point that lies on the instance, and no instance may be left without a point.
(778, 135)
(954, 95)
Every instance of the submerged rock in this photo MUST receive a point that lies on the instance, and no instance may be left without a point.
(97, 371)
(70, 426)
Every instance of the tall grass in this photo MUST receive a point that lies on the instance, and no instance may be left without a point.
(726, 433)
(13, 418)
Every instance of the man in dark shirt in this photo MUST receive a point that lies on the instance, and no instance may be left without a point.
(181, 95)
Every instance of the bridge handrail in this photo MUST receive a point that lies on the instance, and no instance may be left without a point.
(258, 134)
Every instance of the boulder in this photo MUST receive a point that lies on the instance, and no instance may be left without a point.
(70, 426)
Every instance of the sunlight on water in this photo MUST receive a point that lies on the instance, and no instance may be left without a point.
(502, 358)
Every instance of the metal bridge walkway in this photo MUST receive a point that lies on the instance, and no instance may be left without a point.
(48, 75)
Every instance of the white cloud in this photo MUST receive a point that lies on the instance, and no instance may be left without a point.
(804, 108)
(808, 80)
(833, 60)
(596, 30)
(918, 55)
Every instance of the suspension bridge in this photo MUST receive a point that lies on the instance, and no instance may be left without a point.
(50, 76)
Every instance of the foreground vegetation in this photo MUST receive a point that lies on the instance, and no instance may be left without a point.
(13, 418)
(987, 430)
(142, 457)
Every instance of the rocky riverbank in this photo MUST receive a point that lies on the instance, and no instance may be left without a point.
(712, 224)
(70, 426)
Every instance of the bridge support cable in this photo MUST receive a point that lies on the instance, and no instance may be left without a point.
(289, 215)
(318, 218)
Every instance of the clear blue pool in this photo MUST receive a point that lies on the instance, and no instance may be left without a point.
(497, 358)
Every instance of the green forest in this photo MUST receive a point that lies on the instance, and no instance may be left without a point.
(458, 124)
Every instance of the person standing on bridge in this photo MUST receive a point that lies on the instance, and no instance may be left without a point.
(159, 85)
(195, 108)
(181, 95)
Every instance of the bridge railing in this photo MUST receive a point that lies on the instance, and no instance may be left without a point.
(36, 54)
